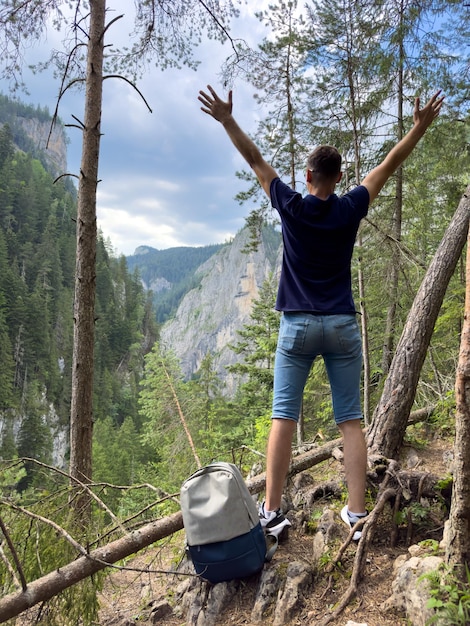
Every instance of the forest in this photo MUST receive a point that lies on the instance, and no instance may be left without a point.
(37, 241)
(151, 428)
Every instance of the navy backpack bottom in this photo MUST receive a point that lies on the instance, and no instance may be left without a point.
(240, 557)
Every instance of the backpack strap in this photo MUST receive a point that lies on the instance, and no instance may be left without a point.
(272, 543)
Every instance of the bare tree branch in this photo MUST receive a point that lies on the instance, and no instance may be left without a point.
(62, 90)
(45, 520)
(132, 85)
(10, 569)
(181, 416)
(65, 175)
(220, 25)
(14, 554)
(85, 487)
(369, 524)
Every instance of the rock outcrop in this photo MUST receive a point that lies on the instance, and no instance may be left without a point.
(410, 589)
(209, 316)
(50, 140)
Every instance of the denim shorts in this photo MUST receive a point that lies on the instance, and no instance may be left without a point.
(303, 337)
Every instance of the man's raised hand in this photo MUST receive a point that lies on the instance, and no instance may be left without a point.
(429, 112)
(214, 106)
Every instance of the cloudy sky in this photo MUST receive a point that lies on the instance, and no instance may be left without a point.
(168, 177)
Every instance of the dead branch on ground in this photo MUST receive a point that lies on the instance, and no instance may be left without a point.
(369, 524)
(401, 482)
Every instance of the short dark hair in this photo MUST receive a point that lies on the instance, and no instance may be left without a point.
(325, 162)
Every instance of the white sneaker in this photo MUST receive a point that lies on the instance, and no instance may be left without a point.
(272, 522)
(350, 521)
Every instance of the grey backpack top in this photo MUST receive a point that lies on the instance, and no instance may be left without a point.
(216, 505)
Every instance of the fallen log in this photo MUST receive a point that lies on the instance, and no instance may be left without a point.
(51, 584)
(46, 587)
(421, 415)
(298, 464)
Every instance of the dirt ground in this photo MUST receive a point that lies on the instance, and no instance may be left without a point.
(129, 595)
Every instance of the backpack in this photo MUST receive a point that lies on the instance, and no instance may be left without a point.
(223, 532)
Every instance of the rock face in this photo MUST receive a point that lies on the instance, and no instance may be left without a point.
(280, 593)
(209, 316)
(410, 589)
(52, 142)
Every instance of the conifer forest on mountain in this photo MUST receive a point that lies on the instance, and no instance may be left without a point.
(336, 72)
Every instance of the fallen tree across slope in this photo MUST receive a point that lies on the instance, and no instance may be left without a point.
(85, 565)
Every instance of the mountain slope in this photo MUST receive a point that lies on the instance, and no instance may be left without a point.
(209, 316)
(33, 132)
(169, 274)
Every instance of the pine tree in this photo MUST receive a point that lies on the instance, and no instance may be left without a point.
(34, 437)
(6, 144)
(278, 72)
(171, 412)
(257, 345)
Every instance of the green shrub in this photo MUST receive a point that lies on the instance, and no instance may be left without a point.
(450, 598)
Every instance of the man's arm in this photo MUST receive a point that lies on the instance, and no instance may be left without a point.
(422, 119)
(222, 112)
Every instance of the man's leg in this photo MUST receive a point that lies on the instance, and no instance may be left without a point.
(343, 361)
(278, 459)
(291, 368)
(355, 464)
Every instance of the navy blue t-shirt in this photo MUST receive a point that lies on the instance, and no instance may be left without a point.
(318, 238)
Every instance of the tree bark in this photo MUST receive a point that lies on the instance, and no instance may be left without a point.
(385, 435)
(458, 530)
(81, 414)
(364, 335)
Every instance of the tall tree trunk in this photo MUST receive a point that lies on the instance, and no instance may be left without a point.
(394, 274)
(385, 435)
(394, 269)
(364, 334)
(81, 418)
(356, 120)
(458, 531)
(300, 430)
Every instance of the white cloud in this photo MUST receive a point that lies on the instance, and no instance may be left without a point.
(167, 177)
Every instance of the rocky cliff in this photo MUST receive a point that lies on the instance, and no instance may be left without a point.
(209, 316)
(50, 141)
